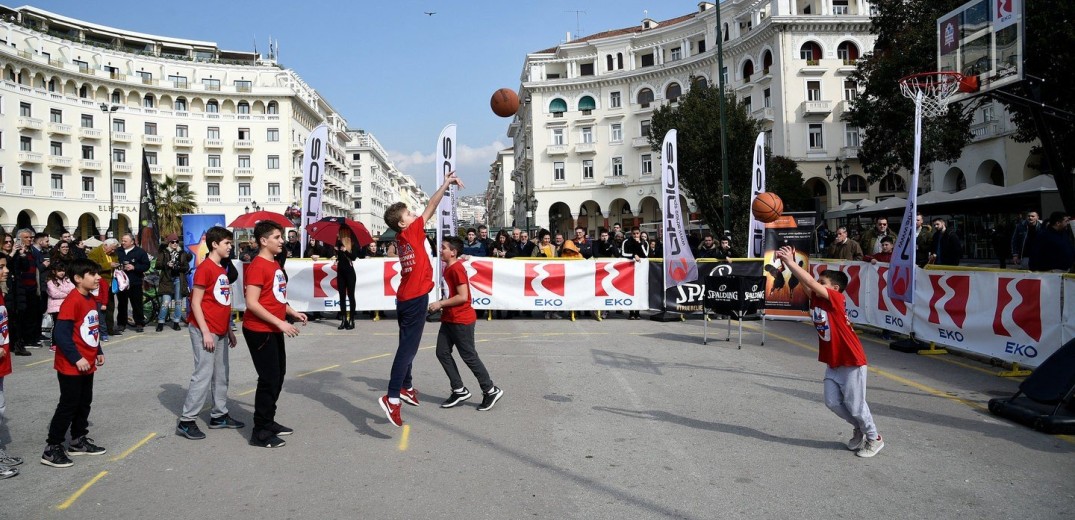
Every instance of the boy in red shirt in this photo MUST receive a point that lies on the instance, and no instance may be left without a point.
(264, 328)
(78, 355)
(6, 461)
(840, 349)
(412, 298)
(211, 337)
(457, 328)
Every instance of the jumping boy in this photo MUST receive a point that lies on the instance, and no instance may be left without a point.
(457, 329)
(412, 298)
(211, 337)
(264, 328)
(78, 355)
(841, 350)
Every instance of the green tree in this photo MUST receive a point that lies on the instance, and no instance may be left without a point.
(906, 44)
(173, 200)
(697, 120)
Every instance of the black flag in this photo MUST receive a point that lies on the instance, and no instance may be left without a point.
(149, 236)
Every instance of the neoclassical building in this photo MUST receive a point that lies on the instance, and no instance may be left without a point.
(582, 154)
(81, 104)
(377, 184)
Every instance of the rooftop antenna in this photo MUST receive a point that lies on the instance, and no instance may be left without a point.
(578, 32)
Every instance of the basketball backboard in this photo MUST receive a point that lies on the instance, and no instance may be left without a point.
(982, 38)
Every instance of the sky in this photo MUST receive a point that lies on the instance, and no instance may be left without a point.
(385, 65)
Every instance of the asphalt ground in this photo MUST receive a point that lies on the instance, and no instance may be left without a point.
(614, 419)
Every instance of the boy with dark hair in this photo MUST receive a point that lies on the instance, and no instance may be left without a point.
(78, 342)
(264, 328)
(6, 461)
(457, 329)
(412, 297)
(211, 337)
(840, 349)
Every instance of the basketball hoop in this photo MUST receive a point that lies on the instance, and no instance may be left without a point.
(936, 89)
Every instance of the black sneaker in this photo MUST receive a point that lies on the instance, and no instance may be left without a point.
(489, 399)
(271, 442)
(175, 325)
(190, 430)
(160, 326)
(279, 429)
(55, 456)
(85, 446)
(456, 398)
(225, 421)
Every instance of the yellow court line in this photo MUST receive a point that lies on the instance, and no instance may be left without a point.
(39, 362)
(130, 450)
(318, 370)
(51, 356)
(248, 392)
(71, 500)
(386, 354)
(404, 439)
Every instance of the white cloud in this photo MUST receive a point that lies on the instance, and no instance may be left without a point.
(473, 165)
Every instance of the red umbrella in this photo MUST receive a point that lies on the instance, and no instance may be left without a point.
(328, 228)
(247, 220)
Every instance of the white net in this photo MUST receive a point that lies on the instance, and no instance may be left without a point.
(936, 88)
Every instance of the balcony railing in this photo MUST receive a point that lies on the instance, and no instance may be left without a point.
(274, 199)
(987, 129)
(615, 180)
(59, 129)
(57, 194)
(214, 143)
(213, 199)
(214, 171)
(244, 144)
(156, 169)
(585, 148)
(90, 133)
(640, 142)
(152, 140)
(183, 142)
(119, 197)
(29, 123)
(30, 157)
(184, 170)
(556, 149)
(244, 172)
(89, 164)
(849, 152)
(763, 114)
(60, 161)
(122, 167)
(27, 190)
(121, 137)
(810, 108)
(88, 195)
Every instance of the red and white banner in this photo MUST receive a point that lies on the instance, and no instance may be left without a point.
(855, 294)
(495, 283)
(1069, 308)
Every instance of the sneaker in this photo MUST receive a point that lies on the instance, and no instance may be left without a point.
(871, 447)
(138, 330)
(225, 421)
(52, 348)
(279, 429)
(271, 442)
(456, 398)
(9, 460)
(391, 410)
(85, 446)
(409, 396)
(55, 456)
(175, 325)
(190, 430)
(489, 399)
(6, 472)
(105, 338)
(160, 326)
(857, 440)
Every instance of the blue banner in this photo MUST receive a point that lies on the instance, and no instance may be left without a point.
(194, 228)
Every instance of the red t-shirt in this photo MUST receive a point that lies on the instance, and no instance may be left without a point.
(267, 275)
(5, 340)
(839, 346)
(216, 302)
(416, 271)
(82, 311)
(462, 314)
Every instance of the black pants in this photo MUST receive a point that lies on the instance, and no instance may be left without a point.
(462, 337)
(29, 320)
(270, 362)
(345, 280)
(110, 313)
(133, 295)
(76, 395)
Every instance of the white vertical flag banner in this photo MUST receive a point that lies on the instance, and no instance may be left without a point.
(313, 175)
(756, 239)
(445, 162)
(901, 283)
(679, 264)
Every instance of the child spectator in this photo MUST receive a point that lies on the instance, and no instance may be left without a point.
(58, 287)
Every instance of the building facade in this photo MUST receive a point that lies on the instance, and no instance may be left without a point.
(81, 104)
(377, 184)
(500, 193)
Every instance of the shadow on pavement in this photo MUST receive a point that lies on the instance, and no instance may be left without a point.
(320, 387)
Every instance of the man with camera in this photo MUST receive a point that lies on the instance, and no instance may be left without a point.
(135, 262)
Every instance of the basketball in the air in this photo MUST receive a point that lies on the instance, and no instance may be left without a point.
(505, 102)
(767, 207)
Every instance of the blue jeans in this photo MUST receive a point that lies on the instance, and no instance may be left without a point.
(411, 316)
(178, 307)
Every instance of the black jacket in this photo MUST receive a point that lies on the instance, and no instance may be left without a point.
(947, 247)
(631, 249)
(139, 259)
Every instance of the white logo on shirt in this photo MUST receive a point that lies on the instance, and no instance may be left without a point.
(222, 290)
(821, 323)
(279, 288)
(90, 328)
(3, 326)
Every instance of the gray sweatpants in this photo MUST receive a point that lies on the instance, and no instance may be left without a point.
(5, 436)
(845, 395)
(210, 376)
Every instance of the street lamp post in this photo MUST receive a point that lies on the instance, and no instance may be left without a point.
(254, 205)
(109, 109)
(841, 172)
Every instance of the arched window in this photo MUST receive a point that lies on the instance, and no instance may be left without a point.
(273, 108)
(212, 107)
(587, 103)
(645, 97)
(854, 184)
(608, 62)
(748, 70)
(244, 107)
(180, 104)
(893, 183)
(558, 106)
(619, 60)
(673, 92)
(149, 101)
(725, 31)
(847, 51)
(766, 61)
(117, 97)
(699, 82)
(811, 52)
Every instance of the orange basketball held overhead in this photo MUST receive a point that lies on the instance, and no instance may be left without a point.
(505, 102)
(767, 207)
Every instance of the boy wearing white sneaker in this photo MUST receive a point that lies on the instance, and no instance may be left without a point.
(841, 350)
(457, 330)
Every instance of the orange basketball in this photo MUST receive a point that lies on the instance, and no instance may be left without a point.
(505, 102)
(767, 207)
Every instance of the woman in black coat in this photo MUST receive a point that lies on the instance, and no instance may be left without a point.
(346, 254)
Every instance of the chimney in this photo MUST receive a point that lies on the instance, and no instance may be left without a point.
(704, 6)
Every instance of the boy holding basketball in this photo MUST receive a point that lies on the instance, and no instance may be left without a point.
(841, 350)
(412, 297)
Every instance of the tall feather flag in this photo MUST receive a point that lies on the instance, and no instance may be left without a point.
(313, 178)
(756, 240)
(445, 164)
(901, 269)
(149, 235)
(679, 264)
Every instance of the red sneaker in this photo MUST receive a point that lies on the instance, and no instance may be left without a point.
(409, 396)
(391, 410)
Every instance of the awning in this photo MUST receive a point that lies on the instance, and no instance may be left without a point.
(1041, 183)
(934, 197)
(892, 205)
(841, 210)
(977, 192)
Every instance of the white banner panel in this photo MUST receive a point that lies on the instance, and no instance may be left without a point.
(1014, 317)
(882, 308)
(1069, 308)
(859, 280)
